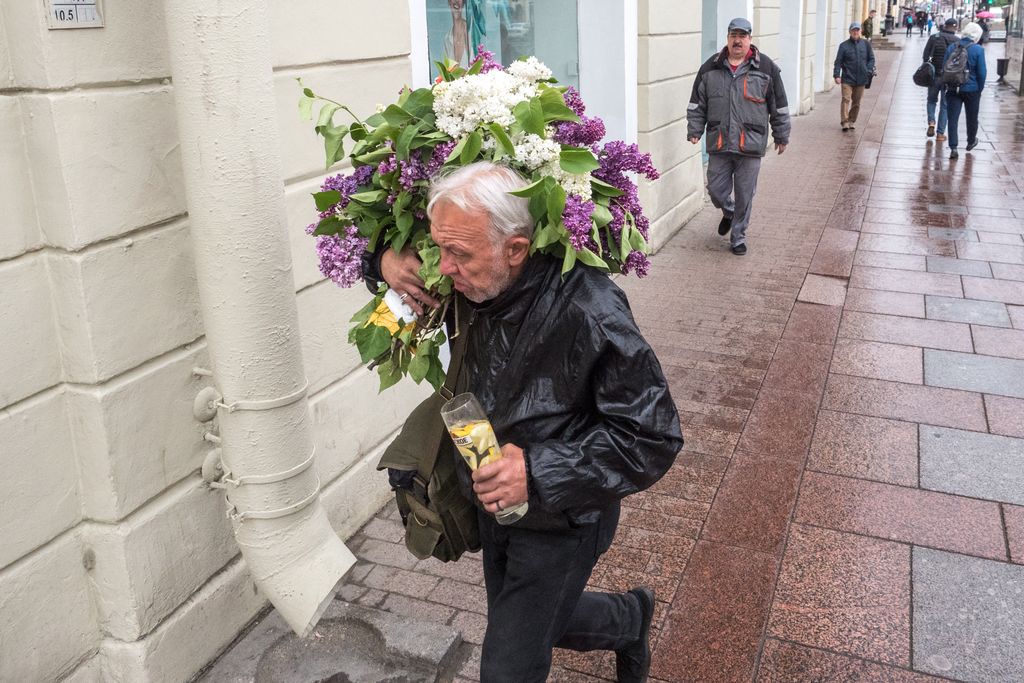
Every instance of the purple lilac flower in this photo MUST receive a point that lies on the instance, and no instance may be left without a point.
(574, 101)
(616, 158)
(636, 262)
(436, 161)
(577, 221)
(488, 57)
(388, 165)
(586, 133)
(346, 185)
(340, 256)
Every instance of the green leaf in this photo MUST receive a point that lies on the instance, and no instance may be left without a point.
(568, 261)
(325, 200)
(556, 204)
(457, 150)
(306, 91)
(373, 120)
(536, 187)
(435, 373)
(539, 205)
(504, 141)
(420, 363)
(591, 259)
(603, 188)
(420, 103)
(575, 160)
(306, 107)
(546, 235)
(333, 147)
(332, 225)
(624, 236)
(358, 132)
(530, 117)
(475, 67)
(377, 342)
(326, 115)
(601, 215)
(404, 222)
(373, 157)
(369, 196)
(389, 373)
(404, 140)
(363, 314)
(473, 144)
(553, 106)
(396, 116)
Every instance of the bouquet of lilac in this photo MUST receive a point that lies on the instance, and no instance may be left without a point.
(581, 195)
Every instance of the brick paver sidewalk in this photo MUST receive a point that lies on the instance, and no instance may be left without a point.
(850, 502)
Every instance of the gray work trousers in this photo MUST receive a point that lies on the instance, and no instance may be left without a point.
(732, 181)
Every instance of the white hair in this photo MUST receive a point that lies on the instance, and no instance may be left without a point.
(972, 31)
(483, 186)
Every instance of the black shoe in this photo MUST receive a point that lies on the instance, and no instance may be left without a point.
(845, 128)
(739, 249)
(634, 661)
(725, 225)
(971, 145)
(953, 154)
(931, 129)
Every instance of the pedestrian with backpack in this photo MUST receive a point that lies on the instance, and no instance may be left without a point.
(935, 54)
(963, 76)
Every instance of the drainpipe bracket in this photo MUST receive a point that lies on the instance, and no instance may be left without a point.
(204, 408)
(268, 404)
(213, 469)
(235, 516)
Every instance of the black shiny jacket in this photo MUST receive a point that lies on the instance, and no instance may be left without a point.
(563, 372)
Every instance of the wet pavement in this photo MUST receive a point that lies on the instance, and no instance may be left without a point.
(849, 505)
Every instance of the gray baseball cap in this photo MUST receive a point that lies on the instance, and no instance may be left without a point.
(854, 25)
(740, 24)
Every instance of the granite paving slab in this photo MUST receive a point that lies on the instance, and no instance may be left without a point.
(987, 374)
(968, 617)
(972, 464)
(966, 311)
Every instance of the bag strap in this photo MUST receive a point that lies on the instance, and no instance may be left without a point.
(447, 392)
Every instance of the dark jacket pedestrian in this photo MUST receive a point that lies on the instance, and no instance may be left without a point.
(968, 95)
(855, 60)
(935, 53)
(852, 69)
(583, 413)
(736, 95)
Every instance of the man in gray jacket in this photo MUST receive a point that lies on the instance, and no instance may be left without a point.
(736, 94)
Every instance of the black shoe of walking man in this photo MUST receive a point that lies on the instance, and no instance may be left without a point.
(634, 661)
(739, 249)
(725, 225)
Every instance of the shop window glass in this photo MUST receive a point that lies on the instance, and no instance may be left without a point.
(509, 29)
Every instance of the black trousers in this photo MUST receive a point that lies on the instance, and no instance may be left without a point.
(536, 601)
(969, 102)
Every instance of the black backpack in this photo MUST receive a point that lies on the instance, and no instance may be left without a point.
(955, 70)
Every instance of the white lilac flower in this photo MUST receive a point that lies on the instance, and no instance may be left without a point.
(533, 151)
(573, 183)
(464, 104)
(531, 70)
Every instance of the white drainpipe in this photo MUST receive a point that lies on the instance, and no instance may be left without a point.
(223, 88)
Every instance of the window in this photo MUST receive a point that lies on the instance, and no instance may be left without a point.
(510, 29)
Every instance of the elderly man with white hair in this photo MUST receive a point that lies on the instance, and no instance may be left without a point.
(963, 74)
(581, 409)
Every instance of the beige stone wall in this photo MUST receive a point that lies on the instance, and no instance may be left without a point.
(668, 59)
(121, 562)
(766, 26)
